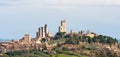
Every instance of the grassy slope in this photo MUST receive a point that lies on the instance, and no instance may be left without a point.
(63, 55)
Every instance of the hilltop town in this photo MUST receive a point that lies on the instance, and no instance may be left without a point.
(46, 43)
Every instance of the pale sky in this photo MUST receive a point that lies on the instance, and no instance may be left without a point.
(18, 17)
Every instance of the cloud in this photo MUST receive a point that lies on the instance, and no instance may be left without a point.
(57, 4)
(78, 2)
(62, 2)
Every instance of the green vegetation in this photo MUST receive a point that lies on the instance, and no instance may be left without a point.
(31, 53)
(63, 55)
(96, 39)
(84, 50)
(60, 35)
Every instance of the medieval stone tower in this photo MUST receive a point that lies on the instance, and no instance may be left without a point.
(42, 31)
(62, 28)
(27, 38)
(46, 29)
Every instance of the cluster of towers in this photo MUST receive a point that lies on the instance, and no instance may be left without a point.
(62, 28)
(42, 31)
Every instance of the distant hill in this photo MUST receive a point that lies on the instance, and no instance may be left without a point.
(119, 40)
(5, 40)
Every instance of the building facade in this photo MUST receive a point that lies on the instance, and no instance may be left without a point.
(62, 28)
(42, 31)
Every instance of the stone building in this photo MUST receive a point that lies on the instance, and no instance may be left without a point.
(92, 35)
(71, 33)
(36, 41)
(26, 39)
(46, 29)
(42, 32)
(82, 32)
(62, 28)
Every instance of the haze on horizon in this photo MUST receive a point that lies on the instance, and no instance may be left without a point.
(18, 17)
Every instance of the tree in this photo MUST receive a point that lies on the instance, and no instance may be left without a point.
(43, 40)
(90, 40)
(72, 41)
(60, 35)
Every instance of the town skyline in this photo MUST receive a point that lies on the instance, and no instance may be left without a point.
(58, 30)
(20, 17)
(45, 42)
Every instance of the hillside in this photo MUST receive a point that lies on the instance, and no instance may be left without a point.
(100, 46)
